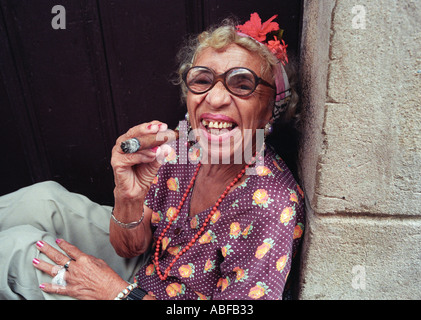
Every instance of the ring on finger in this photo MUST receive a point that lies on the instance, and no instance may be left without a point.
(67, 264)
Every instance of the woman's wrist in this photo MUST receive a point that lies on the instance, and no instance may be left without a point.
(115, 287)
(130, 242)
(129, 225)
(127, 210)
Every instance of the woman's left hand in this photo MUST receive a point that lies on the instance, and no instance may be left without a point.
(87, 277)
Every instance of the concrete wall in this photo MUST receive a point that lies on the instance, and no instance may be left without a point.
(361, 149)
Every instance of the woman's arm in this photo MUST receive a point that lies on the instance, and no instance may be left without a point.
(129, 243)
(133, 176)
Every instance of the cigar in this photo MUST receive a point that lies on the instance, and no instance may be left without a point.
(149, 141)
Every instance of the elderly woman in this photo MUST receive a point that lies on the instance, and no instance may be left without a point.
(224, 225)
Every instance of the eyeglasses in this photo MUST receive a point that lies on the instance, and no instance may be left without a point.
(238, 81)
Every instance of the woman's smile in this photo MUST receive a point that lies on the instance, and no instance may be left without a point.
(217, 127)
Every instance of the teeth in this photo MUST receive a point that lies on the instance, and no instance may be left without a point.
(217, 125)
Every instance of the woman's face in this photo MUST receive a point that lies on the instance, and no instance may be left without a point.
(227, 124)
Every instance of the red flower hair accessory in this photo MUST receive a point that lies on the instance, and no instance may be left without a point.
(267, 33)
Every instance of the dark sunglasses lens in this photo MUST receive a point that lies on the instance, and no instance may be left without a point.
(241, 81)
(199, 79)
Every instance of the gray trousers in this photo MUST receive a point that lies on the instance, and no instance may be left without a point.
(47, 211)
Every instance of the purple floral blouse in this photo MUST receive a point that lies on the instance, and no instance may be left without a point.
(245, 251)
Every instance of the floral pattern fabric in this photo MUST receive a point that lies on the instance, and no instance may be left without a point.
(247, 248)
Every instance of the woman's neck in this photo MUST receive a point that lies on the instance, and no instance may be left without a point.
(211, 182)
(221, 172)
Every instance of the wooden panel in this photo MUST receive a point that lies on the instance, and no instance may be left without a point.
(14, 170)
(64, 79)
(142, 39)
(13, 103)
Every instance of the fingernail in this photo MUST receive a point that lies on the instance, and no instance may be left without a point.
(58, 241)
(35, 261)
(42, 286)
(163, 127)
(40, 244)
(149, 127)
(154, 149)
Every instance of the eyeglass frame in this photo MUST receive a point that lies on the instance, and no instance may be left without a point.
(222, 77)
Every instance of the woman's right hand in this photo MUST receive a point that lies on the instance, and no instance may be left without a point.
(134, 172)
(133, 176)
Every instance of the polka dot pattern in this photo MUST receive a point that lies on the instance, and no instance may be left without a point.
(245, 251)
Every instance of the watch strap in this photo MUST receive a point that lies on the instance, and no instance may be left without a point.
(136, 294)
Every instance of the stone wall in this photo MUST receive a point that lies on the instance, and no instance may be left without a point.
(361, 149)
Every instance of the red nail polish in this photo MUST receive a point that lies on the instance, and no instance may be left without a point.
(154, 149)
(35, 261)
(42, 286)
(149, 127)
(58, 241)
(40, 244)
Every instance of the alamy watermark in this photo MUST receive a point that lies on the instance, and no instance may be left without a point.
(236, 146)
(359, 277)
(359, 20)
(59, 20)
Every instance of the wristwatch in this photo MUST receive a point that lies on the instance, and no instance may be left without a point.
(136, 294)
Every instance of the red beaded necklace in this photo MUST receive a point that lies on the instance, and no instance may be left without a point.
(197, 235)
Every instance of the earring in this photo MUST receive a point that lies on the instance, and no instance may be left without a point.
(189, 129)
(268, 129)
(187, 118)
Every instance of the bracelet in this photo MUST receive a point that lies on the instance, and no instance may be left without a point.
(126, 291)
(129, 225)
